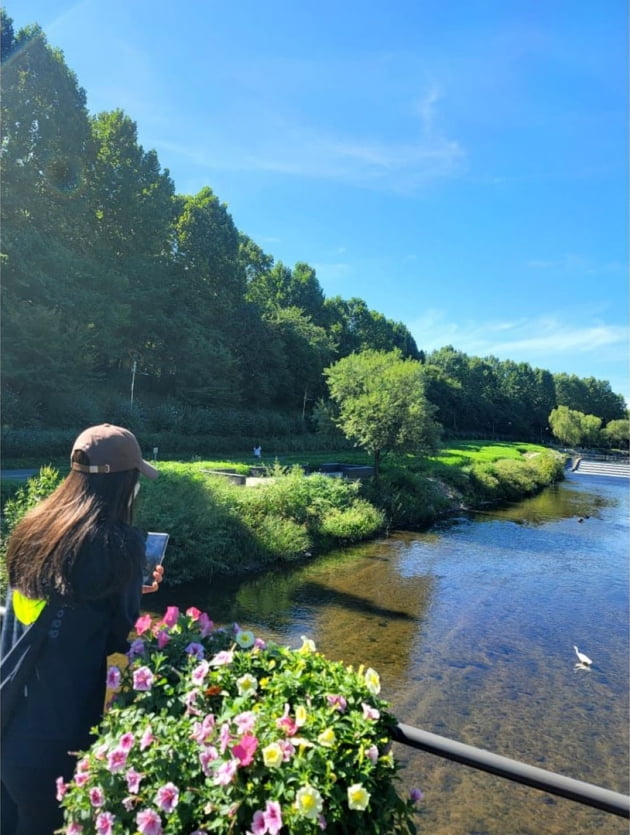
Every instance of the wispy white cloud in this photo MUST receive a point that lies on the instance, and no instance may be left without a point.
(572, 262)
(524, 339)
(587, 349)
(285, 143)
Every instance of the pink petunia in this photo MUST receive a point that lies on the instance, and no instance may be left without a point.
(113, 678)
(273, 817)
(224, 737)
(97, 796)
(222, 658)
(83, 764)
(288, 750)
(369, 712)
(74, 828)
(142, 624)
(126, 741)
(337, 701)
(149, 822)
(167, 797)
(287, 725)
(259, 643)
(142, 679)
(81, 778)
(190, 699)
(163, 638)
(372, 754)
(245, 721)
(259, 825)
(170, 617)
(147, 738)
(193, 613)
(200, 672)
(117, 759)
(245, 749)
(203, 730)
(225, 773)
(61, 788)
(133, 778)
(321, 820)
(105, 823)
(207, 756)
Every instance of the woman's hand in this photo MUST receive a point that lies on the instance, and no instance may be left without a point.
(158, 576)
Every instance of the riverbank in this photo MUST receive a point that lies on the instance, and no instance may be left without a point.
(217, 527)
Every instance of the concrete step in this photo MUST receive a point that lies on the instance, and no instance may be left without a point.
(618, 470)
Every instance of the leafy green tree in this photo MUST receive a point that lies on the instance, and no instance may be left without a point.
(207, 291)
(354, 327)
(255, 264)
(133, 213)
(602, 401)
(466, 391)
(51, 314)
(382, 404)
(307, 350)
(567, 425)
(590, 396)
(617, 433)
(591, 425)
(306, 293)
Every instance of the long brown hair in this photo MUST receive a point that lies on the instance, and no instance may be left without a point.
(44, 546)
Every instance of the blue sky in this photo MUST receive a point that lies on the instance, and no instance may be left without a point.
(461, 166)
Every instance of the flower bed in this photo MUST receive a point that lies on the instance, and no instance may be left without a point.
(212, 731)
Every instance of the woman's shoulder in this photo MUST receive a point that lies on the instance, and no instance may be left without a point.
(107, 554)
(129, 536)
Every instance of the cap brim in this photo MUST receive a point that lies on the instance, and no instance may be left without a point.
(147, 470)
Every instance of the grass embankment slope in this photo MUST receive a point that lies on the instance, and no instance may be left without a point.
(219, 527)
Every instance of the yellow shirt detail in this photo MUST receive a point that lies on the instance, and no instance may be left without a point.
(26, 610)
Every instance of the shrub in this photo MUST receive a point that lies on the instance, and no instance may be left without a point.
(212, 731)
(352, 524)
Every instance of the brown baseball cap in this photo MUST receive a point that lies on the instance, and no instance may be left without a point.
(110, 449)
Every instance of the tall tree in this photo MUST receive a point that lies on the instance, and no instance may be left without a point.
(207, 298)
(355, 327)
(133, 213)
(566, 425)
(307, 350)
(382, 404)
(50, 317)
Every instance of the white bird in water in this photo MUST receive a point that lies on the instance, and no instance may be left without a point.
(583, 660)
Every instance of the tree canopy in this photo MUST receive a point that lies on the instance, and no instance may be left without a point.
(381, 402)
(107, 268)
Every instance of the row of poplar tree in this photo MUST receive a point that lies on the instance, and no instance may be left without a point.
(108, 272)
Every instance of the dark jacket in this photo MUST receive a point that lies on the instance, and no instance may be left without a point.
(65, 693)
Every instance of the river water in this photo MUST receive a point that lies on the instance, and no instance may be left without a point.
(471, 626)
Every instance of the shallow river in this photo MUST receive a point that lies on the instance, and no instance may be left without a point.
(471, 626)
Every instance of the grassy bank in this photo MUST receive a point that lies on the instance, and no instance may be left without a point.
(219, 527)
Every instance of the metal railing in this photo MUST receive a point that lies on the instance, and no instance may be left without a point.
(518, 772)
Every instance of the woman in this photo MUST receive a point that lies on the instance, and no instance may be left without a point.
(75, 561)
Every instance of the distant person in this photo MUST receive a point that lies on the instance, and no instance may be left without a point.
(258, 452)
(75, 566)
